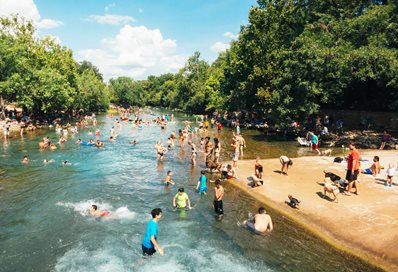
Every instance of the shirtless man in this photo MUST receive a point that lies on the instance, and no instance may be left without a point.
(218, 196)
(208, 148)
(168, 180)
(95, 212)
(261, 223)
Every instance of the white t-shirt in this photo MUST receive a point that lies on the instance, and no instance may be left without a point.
(391, 172)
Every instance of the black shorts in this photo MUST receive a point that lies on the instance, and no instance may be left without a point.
(351, 177)
(218, 207)
(147, 251)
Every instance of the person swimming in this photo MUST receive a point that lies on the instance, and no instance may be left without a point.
(66, 163)
(95, 212)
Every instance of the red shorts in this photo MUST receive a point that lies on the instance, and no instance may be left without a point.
(314, 146)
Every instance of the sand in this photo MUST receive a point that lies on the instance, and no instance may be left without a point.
(366, 225)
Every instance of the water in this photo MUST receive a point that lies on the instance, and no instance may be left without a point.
(45, 225)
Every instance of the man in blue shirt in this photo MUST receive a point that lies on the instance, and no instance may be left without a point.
(149, 244)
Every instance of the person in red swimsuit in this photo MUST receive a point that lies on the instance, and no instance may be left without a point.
(95, 212)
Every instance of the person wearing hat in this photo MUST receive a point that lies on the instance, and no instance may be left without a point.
(181, 199)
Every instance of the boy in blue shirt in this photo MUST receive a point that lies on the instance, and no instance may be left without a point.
(149, 244)
(202, 183)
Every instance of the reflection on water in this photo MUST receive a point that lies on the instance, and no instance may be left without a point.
(45, 225)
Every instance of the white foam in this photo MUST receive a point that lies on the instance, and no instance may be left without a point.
(79, 259)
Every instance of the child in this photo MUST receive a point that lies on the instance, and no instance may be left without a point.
(293, 202)
(202, 183)
(390, 174)
(168, 180)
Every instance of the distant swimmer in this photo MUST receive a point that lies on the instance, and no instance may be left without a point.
(168, 180)
(181, 199)
(261, 222)
(95, 212)
(25, 160)
(149, 243)
(98, 143)
(134, 142)
(66, 163)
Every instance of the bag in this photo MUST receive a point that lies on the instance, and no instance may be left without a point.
(338, 159)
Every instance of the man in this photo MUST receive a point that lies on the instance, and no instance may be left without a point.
(168, 180)
(181, 199)
(315, 143)
(262, 222)
(149, 244)
(95, 212)
(218, 196)
(353, 165)
(208, 149)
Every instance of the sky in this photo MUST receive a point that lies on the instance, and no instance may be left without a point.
(136, 38)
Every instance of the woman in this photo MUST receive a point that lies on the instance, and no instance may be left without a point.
(217, 150)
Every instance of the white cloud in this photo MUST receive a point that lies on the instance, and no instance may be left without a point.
(49, 23)
(111, 5)
(220, 47)
(27, 9)
(136, 52)
(230, 35)
(110, 19)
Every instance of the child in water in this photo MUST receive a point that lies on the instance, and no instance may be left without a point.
(202, 183)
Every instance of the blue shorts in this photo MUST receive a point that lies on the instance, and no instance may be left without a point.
(368, 171)
(202, 189)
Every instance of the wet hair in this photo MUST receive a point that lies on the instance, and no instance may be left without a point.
(218, 182)
(181, 190)
(261, 210)
(94, 207)
(203, 172)
(208, 138)
(290, 162)
(156, 212)
(168, 172)
(376, 158)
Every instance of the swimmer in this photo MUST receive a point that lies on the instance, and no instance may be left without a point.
(168, 179)
(53, 147)
(78, 141)
(99, 144)
(111, 139)
(25, 160)
(95, 212)
(134, 142)
(181, 199)
(261, 223)
(66, 163)
(149, 243)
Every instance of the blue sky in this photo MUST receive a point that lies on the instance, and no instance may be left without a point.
(136, 38)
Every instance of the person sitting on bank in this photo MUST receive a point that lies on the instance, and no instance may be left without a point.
(231, 172)
(181, 199)
(95, 212)
(256, 181)
(374, 169)
(286, 163)
(261, 223)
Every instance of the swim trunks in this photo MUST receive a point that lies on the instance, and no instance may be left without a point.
(218, 207)
(202, 189)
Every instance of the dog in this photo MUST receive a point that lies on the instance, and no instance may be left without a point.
(327, 152)
(337, 180)
(330, 188)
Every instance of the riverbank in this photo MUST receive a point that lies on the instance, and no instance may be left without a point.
(364, 225)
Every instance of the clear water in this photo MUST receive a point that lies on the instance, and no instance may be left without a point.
(45, 225)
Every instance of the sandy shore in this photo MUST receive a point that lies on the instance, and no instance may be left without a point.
(365, 225)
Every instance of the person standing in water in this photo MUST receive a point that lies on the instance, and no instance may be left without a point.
(218, 196)
(202, 183)
(181, 199)
(149, 243)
